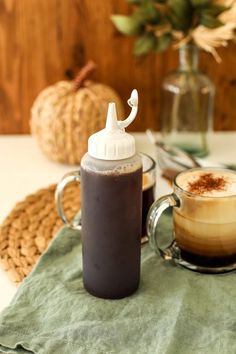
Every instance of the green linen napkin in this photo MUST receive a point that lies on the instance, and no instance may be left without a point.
(174, 311)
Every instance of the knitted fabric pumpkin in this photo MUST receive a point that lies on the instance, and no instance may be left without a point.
(64, 115)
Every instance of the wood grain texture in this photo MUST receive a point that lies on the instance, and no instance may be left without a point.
(44, 41)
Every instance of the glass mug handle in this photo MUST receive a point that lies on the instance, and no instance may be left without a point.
(154, 214)
(75, 224)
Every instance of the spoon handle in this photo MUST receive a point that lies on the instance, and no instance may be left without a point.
(230, 166)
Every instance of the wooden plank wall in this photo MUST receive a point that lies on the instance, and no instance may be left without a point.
(43, 41)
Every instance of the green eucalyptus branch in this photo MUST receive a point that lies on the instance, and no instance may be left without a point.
(156, 23)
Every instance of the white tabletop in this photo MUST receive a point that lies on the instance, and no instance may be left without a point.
(24, 169)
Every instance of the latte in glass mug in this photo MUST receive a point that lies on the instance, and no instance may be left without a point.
(205, 225)
(204, 215)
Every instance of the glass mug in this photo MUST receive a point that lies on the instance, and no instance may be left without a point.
(148, 187)
(204, 235)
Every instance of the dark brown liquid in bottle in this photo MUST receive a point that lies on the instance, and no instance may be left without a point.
(111, 231)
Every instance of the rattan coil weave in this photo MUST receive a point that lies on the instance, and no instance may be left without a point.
(27, 230)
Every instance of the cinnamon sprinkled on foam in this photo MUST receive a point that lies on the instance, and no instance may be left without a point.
(207, 183)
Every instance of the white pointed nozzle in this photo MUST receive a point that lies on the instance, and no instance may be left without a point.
(111, 123)
(113, 143)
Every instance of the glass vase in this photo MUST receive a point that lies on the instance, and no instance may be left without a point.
(187, 105)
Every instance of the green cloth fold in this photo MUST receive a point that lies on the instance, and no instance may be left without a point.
(175, 311)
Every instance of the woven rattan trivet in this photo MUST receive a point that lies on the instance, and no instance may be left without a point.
(25, 233)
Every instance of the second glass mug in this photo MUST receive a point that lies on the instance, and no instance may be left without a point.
(204, 238)
(148, 193)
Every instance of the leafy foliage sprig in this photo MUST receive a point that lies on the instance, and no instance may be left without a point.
(160, 23)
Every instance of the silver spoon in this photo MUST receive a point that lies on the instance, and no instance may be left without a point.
(173, 160)
(173, 152)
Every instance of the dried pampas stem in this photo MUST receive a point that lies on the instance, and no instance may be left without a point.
(209, 39)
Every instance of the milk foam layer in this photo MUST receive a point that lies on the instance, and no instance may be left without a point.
(185, 179)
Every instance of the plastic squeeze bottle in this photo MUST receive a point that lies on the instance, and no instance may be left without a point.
(111, 199)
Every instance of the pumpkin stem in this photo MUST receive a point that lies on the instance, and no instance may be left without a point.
(83, 74)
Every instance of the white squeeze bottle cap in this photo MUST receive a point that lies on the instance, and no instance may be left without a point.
(112, 142)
